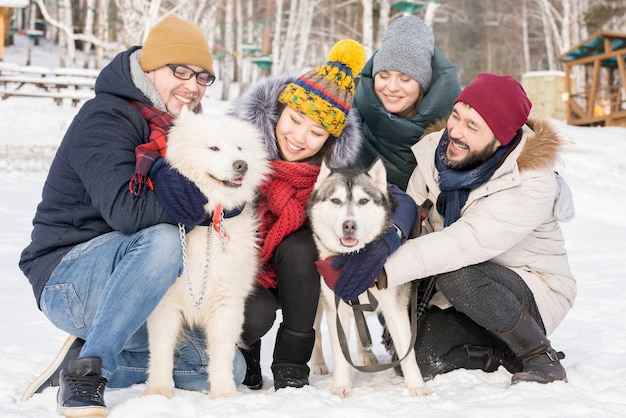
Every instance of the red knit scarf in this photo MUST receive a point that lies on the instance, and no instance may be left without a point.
(284, 196)
(146, 154)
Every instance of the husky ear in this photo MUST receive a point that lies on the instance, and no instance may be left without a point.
(324, 173)
(378, 173)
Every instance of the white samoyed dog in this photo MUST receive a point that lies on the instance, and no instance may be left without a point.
(226, 158)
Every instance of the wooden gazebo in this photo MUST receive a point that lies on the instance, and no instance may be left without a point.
(595, 79)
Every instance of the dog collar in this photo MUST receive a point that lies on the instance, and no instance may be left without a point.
(219, 215)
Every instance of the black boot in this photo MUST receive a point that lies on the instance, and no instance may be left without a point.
(529, 343)
(81, 389)
(489, 359)
(254, 378)
(291, 354)
(470, 357)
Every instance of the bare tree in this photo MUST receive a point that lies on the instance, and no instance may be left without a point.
(102, 31)
(505, 36)
(305, 20)
(525, 45)
(90, 16)
(383, 19)
(226, 68)
(277, 65)
(368, 26)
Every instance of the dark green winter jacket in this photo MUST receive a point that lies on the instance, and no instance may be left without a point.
(391, 137)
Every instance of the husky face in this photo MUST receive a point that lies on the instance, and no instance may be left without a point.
(224, 156)
(349, 209)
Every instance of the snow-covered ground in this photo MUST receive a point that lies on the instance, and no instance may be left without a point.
(593, 335)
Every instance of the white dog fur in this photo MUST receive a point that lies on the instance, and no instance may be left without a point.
(226, 159)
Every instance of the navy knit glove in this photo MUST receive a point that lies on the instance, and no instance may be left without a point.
(405, 213)
(359, 270)
(179, 196)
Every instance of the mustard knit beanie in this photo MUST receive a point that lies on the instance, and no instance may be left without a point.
(325, 93)
(175, 41)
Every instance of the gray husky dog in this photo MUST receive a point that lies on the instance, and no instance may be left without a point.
(347, 210)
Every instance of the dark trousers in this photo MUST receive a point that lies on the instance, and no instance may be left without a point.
(297, 293)
(485, 297)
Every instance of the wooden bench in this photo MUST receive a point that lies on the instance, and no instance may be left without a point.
(75, 96)
(75, 84)
(46, 83)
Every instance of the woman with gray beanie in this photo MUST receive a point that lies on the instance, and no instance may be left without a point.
(407, 85)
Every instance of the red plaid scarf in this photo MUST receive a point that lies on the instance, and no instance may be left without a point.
(146, 154)
(284, 196)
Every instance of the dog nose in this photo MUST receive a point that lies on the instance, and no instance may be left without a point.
(349, 227)
(240, 166)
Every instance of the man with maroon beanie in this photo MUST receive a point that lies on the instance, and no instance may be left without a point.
(491, 240)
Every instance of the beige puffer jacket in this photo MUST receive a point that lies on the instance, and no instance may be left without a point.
(508, 220)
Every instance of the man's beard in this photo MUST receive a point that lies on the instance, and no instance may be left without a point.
(472, 160)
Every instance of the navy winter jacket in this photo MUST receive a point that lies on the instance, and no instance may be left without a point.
(86, 193)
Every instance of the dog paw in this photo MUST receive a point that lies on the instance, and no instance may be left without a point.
(342, 391)
(419, 391)
(319, 369)
(367, 358)
(163, 391)
(216, 394)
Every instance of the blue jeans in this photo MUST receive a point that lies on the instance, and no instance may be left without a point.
(103, 292)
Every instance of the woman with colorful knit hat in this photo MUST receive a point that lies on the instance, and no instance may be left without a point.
(303, 120)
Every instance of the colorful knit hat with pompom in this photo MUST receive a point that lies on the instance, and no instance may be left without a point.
(325, 93)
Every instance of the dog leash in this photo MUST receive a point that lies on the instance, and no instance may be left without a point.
(363, 331)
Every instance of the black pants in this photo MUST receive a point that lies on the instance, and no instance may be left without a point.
(485, 297)
(298, 289)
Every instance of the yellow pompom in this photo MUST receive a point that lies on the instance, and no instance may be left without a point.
(350, 53)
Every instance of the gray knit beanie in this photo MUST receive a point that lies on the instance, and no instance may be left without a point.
(408, 46)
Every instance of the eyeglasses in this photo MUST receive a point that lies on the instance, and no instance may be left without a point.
(182, 72)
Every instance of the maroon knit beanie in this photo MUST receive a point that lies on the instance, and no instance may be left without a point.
(501, 101)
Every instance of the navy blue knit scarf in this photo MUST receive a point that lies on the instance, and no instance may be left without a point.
(456, 185)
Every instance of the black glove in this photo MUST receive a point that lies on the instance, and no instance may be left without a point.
(178, 195)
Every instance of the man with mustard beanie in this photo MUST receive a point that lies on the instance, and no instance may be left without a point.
(105, 245)
(493, 243)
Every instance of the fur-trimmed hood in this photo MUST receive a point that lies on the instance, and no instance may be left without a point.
(542, 146)
(259, 105)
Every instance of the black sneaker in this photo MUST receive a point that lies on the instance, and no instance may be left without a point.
(50, 377)
(81, 389)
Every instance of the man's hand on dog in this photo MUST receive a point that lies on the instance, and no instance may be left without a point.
(359, 271)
